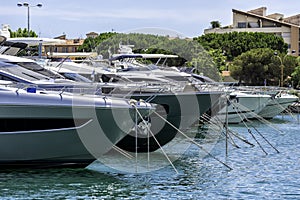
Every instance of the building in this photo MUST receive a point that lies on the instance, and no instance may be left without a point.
(5, 31)
(70, 45)
(92, 35)
(257, 20)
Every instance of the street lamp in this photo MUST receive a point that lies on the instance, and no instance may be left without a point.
(25, 4)
(281, 65)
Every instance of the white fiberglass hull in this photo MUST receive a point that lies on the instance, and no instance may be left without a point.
(276, 105)
(243, 106)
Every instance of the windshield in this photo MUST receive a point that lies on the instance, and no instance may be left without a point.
(22, 73)
(76, 77)
(60, 59)
(39, 69)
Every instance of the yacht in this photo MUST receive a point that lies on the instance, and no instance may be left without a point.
(277, 104)
(47, 129)
(242, 105)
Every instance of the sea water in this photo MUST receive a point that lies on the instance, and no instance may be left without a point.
(258, 172)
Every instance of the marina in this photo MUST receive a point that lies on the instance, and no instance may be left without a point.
(163, 103)
(144, 115)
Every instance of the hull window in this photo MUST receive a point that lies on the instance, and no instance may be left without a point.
(20, 124)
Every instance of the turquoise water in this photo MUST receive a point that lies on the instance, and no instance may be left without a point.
(255, 175)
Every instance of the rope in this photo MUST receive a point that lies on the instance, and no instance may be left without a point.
(261, 119)
(155, 138)
(250, 132)
(121, 151)
(241, 138)
(233, 133)
(266, 139)
(192, 141)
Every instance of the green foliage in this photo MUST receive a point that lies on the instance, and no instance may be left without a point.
(204, 64)
(215, 24)
(296, 74)
(235, 43)
(255, 66)
(219, 58)
(22, 33)
(33, 50)
(90, 44)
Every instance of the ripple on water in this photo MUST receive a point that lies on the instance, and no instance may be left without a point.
(254, 175)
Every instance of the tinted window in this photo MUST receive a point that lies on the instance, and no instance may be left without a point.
(39, 69)
(22, 73)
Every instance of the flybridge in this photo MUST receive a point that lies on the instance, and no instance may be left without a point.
(121, 56)
(125, 51)
(132, 57)
(73, 54)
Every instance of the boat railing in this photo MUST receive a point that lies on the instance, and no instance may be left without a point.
(207, 86)
(269, 90)
(98, 88)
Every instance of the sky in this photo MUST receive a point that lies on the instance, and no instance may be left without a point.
(187, 18)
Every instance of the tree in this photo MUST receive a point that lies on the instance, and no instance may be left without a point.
(259, 65)
(32, 50)
(219, 59)
(236, 43)
(90, 43)
(289, 64)
(215, 24)
(205, 65)
(296, 75)
(22, 33)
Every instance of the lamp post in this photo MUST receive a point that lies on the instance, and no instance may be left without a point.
(282, 65)
(28, 6)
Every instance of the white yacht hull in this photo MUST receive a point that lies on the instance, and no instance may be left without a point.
(276, 105)
(243, 106)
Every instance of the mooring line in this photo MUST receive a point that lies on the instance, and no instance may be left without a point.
(241, 138)
(213, 125)
(265, 139)
(192, 140)
(136, 140)
(155, 138)
(241, 115)
(208, 120)
(231, 140)
(121, 151)
(285, 109)
(232, 132)
(250, 132)
(261, 119)
(218, 128)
